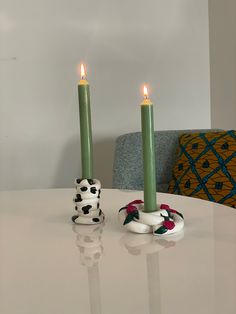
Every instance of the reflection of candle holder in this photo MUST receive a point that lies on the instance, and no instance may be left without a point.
(87, 202)
(163, 221)
(147, 245)
(88, 241)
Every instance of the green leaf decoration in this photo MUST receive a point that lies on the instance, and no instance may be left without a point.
(166, 218)
(161, 230)
(178, 213)
(136, 215)
(122, 208)
(128, 219)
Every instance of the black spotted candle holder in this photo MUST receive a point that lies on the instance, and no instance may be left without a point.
(87, 202)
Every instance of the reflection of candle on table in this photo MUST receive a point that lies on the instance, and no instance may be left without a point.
(94, 289)
(154, 283)
(146, 246)
(149, 167)
(85, 127)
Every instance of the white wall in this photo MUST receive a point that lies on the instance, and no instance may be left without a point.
(124, 43)
(222, 21)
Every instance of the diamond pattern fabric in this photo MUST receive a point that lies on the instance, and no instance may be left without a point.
(206, 167)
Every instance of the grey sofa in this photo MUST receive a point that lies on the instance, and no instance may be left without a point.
(128, 168)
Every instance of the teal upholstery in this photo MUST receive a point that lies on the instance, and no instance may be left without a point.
(128, 168)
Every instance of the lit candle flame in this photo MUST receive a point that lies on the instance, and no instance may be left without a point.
(82, 71)
(145, 91)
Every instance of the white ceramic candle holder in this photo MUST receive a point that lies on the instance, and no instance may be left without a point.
(87, 202)
(164, 221)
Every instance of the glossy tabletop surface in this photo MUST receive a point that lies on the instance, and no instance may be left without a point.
(49, 265)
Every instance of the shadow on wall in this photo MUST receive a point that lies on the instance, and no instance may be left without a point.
(69, 163)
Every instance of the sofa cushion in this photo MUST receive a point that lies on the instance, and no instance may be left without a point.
(206, 167)
(128, 159)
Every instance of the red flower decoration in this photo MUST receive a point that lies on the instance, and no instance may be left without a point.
(130, 209)
(168, 224)
(136, 202)
(165, 206)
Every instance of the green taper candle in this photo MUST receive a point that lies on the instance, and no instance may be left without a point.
(149, 167)
(85, 127)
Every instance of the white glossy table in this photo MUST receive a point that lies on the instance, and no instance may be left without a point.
(48, 265)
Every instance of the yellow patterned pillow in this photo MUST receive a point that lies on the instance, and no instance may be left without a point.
(206, 167)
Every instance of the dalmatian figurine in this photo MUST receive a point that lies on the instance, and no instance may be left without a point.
(87, 202)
